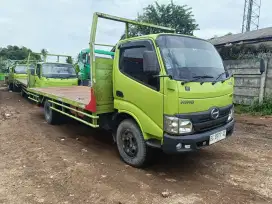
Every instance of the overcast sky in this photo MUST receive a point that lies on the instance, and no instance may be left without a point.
(63, 26)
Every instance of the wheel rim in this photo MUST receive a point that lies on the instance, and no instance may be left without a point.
(129, 143)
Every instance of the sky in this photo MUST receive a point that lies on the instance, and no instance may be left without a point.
(63, 26)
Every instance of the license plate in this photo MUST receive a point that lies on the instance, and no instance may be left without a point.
(217, 136)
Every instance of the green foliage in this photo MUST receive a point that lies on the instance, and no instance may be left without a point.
(3, 67)
(168, 15)
(69, 60)
(14, 53)
(244, 51)
(264, 108)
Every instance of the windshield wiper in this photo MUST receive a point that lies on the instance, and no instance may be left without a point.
(219, 76)
(197, 78)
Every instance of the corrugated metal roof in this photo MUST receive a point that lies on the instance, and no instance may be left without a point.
(252, 35)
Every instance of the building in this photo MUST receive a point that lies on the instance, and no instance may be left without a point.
(261, 36)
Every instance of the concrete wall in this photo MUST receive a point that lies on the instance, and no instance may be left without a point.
(250, 85)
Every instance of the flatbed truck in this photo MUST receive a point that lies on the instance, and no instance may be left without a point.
(46, 74)
(166, 90)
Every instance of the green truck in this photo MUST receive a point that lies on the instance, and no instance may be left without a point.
(166, 91)
(16, 72)
(84, 64)
(46, 74)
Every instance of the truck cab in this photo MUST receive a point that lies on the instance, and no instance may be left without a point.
(182, 95)
(17, 71)
(48, 74)
(84, 64)
(84, 67)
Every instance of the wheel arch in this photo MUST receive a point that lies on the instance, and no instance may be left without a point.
(119, 116)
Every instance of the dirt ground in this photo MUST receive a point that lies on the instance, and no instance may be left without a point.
(72, 163)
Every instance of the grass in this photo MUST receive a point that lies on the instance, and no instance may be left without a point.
(265, 108)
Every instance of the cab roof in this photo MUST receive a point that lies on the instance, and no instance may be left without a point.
(155, 36)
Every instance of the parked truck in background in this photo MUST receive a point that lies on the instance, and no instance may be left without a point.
(46, 74)
(84, 64)
(166, 90)
(16, 71)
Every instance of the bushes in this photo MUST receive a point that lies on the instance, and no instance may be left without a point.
(245, 51)
(264, 108)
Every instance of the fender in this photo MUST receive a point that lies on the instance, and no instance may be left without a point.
(148, 127)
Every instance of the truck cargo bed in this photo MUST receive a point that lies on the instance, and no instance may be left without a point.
(22, 82)
(80, 96)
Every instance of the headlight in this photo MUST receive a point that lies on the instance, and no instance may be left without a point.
(185, 126)
(231, 114)
(175, 125)
(171, 125)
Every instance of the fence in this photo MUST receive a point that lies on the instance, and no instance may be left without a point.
(250, 85)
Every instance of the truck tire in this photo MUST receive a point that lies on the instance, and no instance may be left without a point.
(23, 94)
(10, 86)
(131, 144)
(52, 117)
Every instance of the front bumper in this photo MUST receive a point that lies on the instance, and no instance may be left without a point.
(195, 141)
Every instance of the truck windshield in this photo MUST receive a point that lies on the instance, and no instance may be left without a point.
(20, 69)
(188, 58)
(55, 70)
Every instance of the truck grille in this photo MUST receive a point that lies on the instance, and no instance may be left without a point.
(202, 121)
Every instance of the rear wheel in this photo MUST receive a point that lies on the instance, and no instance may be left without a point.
(52, 117)
(23, 93)
(10, 86)
(131, 144)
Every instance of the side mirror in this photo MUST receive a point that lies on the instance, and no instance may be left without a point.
(150, 62)
(262, 66)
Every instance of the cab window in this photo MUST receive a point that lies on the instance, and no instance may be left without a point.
(131, 63)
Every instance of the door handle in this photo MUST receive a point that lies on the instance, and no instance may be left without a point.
(120, 94)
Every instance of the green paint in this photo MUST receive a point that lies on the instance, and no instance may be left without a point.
(16, 73)
(41, 77)
(76, 118)
(83, 113)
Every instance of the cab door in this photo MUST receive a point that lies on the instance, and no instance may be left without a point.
(136, 92)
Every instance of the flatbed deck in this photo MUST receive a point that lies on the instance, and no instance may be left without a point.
(22, 81)
(80, 96)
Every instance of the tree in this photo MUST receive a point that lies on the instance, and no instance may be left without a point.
(179, 17)
(16, 53)
(69, 60)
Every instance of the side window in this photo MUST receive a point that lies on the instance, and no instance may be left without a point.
(131, 63)
(38, 70)
(84, 58)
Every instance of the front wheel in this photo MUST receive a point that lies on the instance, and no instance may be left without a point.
(131, 144)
